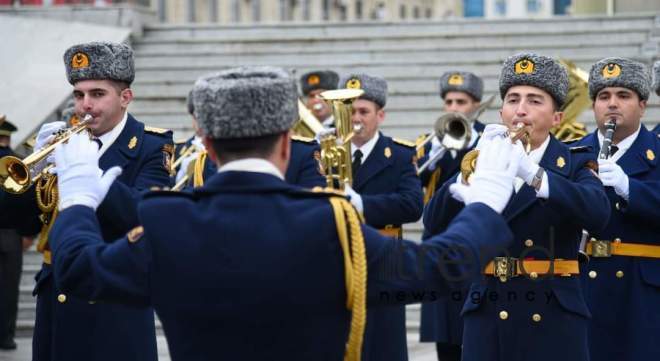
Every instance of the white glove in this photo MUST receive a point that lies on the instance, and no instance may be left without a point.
(44, 138)
(355, 198)
(458, 190)
(491, 132)
(526, 168)
(613, 176)
(80, 181)
(492, 182)
(46, 134)
(437, 150)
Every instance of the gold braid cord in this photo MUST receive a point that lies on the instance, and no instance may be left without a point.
(198, 171)
(355, 273)
(47, 198)
(433, 182)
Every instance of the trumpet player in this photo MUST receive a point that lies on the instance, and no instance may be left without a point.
(623, 272)
(312, 85)
(529, 304)
(387, 191)
(70, 328)
(461, 92)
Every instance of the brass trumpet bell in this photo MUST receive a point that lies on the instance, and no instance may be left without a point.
(17, 175)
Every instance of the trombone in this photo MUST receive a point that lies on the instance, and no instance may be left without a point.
(17, 175)
(454, 131)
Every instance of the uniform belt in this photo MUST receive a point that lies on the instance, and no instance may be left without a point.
(508, 267)
(602, 248)
(389, 231)
(47, 257)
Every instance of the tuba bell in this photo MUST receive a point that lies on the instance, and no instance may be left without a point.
(307, 124)
(17, 175)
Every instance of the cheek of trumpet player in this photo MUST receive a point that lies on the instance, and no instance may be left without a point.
(622, 104)
(368, 115)
(459, 102)
(105, 100)
(317, 106)
(534, 108)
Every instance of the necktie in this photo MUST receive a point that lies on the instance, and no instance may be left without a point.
(613, 149)
(357, 161)
(98, 141)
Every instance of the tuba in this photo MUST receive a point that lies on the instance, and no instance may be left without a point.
(307, 124)
(17, 175)
(577, 100)
(454, 131)
(336, 156)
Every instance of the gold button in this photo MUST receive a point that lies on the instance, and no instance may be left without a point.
(533, 275)
(529, 243)
(536, 317)
(592, 274)
(617, 206)
(504, 315)
(592, 239)
(619, 274)
(61, 298)
(617, 240)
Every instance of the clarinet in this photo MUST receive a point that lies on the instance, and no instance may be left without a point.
(605, 150)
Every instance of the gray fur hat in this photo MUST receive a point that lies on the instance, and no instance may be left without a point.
(619, 72)
(656, 77)
(535, 70)
(322, 79)
(461, 81)
(245, 102)
(375, 88)
(99, 61)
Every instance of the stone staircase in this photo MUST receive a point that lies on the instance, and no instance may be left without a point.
(411, 56)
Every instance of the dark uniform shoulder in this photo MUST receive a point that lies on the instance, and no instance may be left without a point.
(158, 131)
(405, 143)
(301, 139)
(158, 192)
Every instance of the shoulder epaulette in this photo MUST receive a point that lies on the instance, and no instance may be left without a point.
(405, 143)
(155, 130)
(580, 149)
(155, 192)
(300, 138)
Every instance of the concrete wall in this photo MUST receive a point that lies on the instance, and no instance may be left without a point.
(32, 75)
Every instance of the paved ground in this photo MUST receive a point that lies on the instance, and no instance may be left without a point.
(418, 351)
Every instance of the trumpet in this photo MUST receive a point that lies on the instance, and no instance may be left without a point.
(17, 175)
(190, 150)
(515, 133)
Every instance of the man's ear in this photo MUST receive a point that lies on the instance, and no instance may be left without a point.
(126, 96)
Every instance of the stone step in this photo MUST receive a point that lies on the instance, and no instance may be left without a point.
(489, 69)
(366, 57)
(330, 45)
(476, 27)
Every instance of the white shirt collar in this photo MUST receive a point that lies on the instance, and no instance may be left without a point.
(109, 137)
(366, 148)
(255, 165)
(623, 145)
(537, 154)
